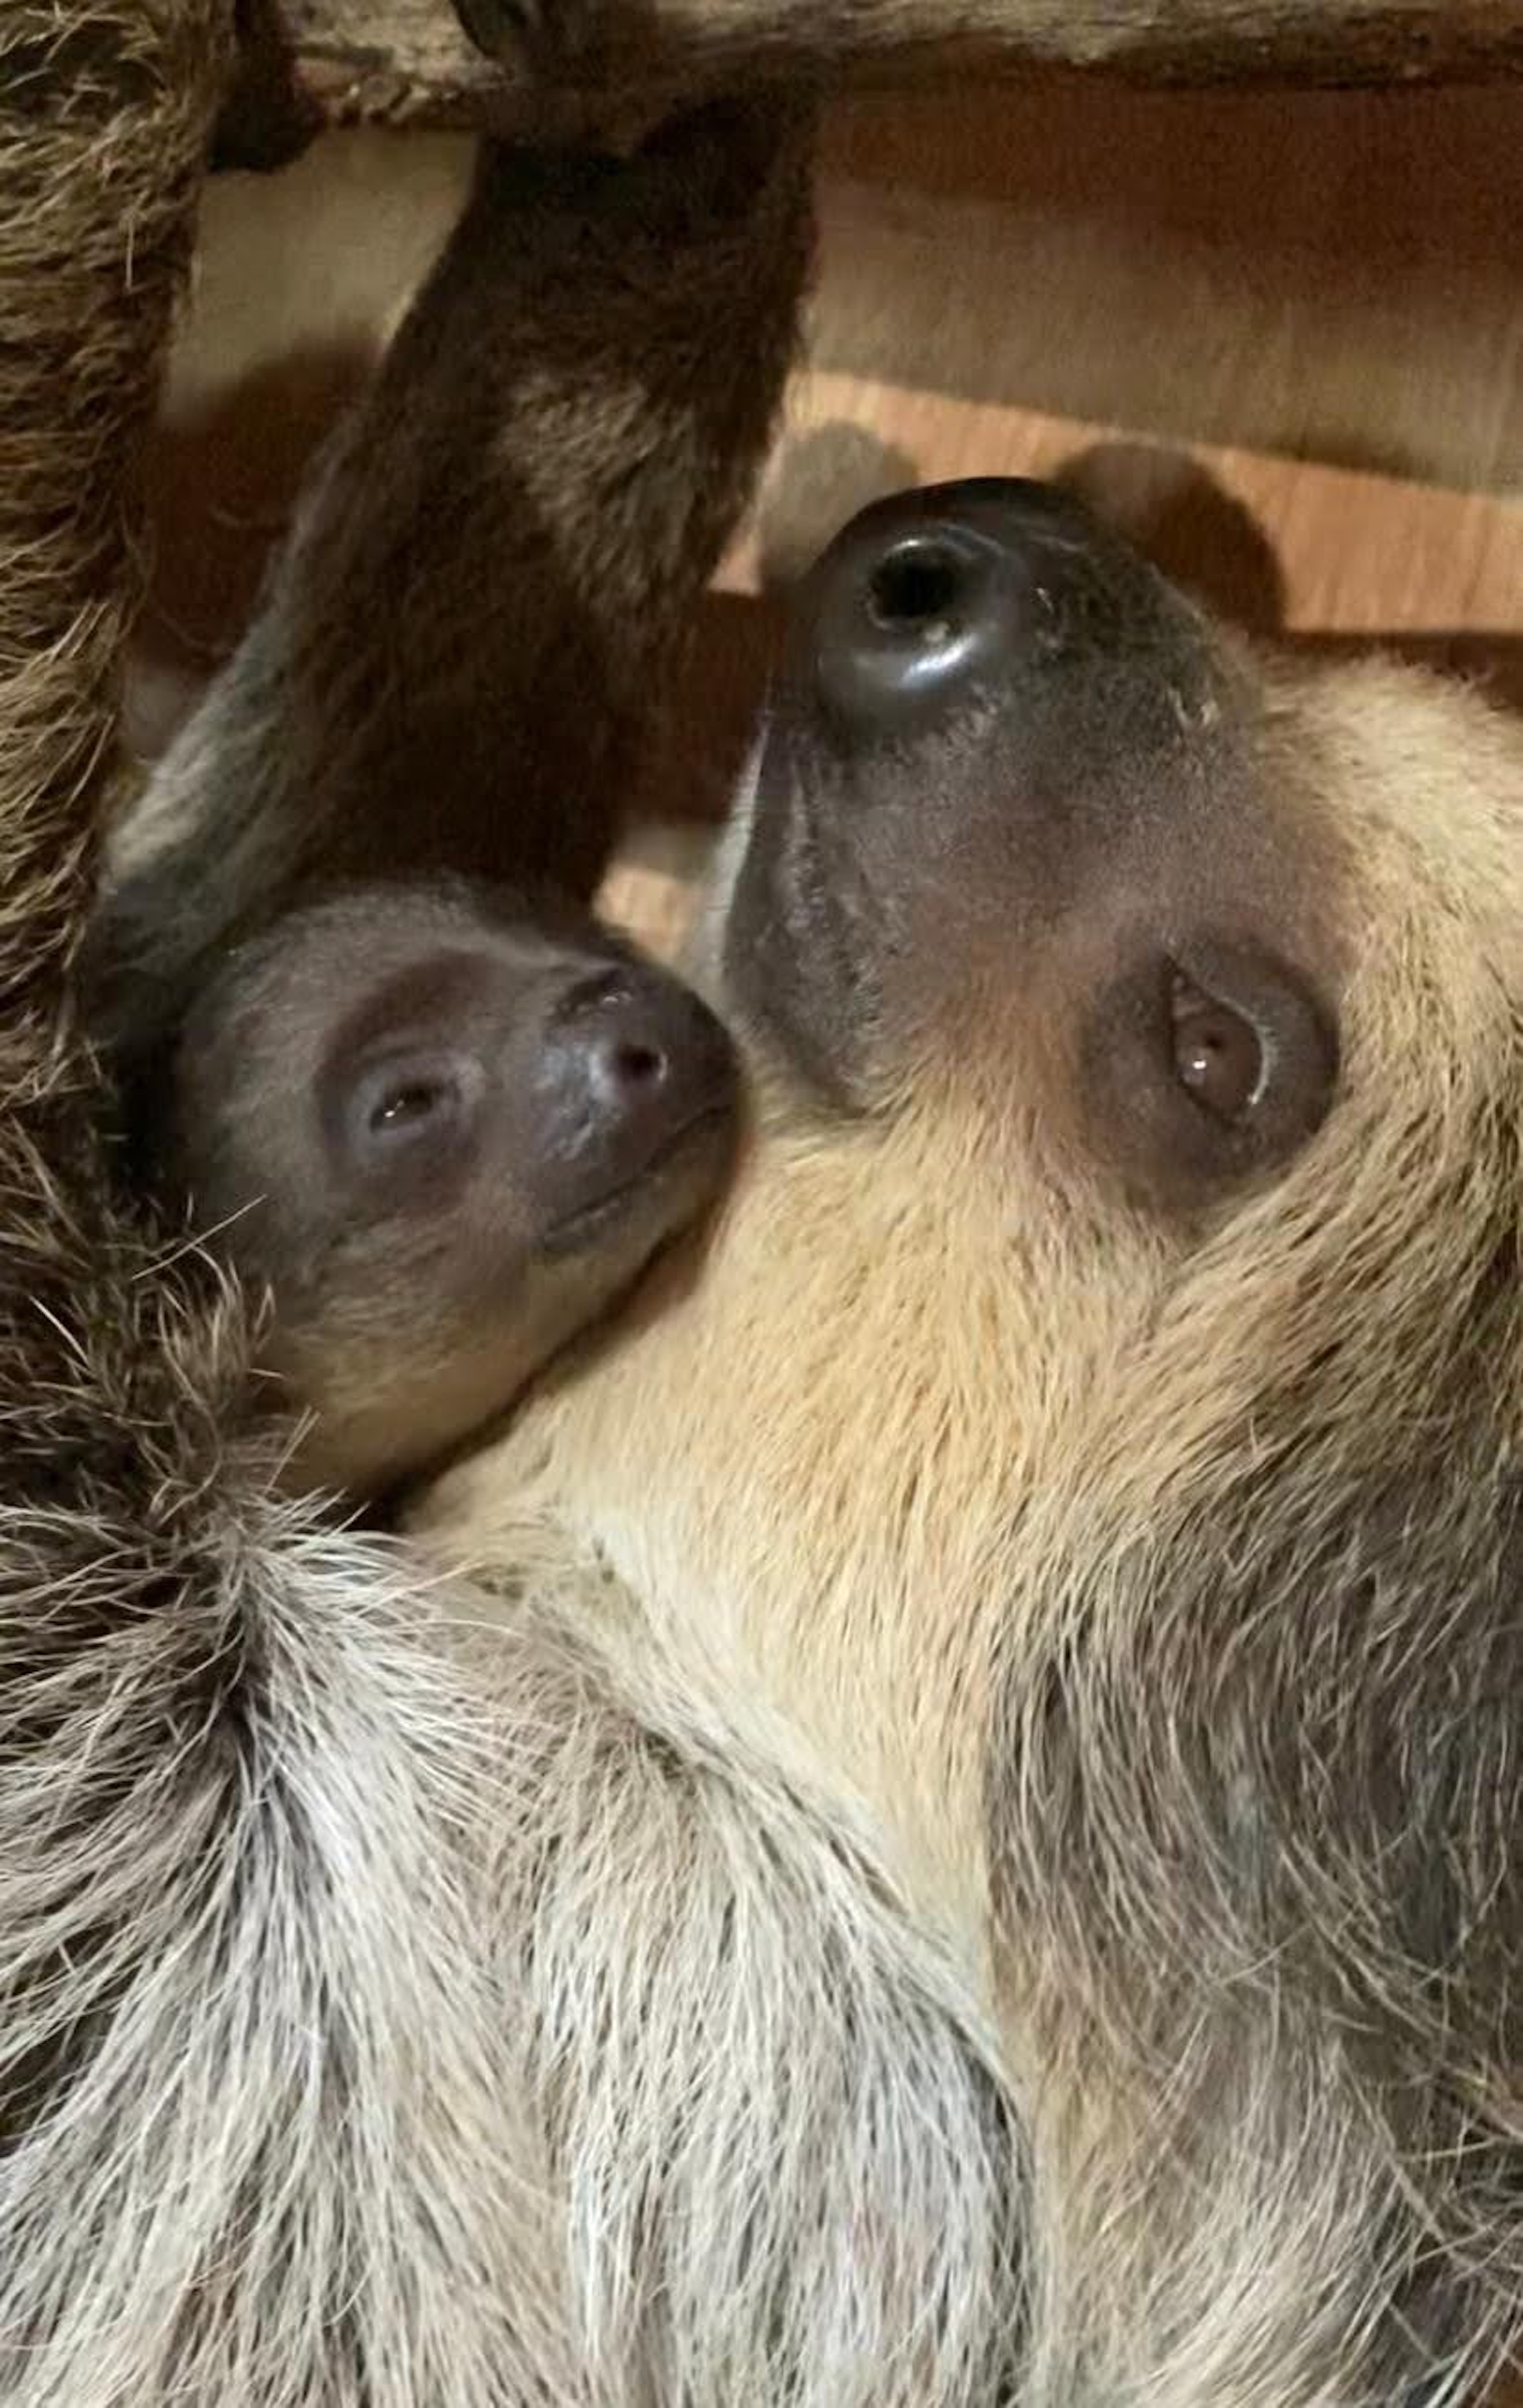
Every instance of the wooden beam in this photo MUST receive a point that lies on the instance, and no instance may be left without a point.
(309, 63)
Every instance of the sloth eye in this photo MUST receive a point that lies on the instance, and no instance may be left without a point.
(403, 1104)
(1219, 1057)
(1187, 1093)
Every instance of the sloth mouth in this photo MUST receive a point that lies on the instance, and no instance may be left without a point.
(677, 1179)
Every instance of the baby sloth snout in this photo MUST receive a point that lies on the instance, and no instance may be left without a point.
(930, 595)
(633, 1065)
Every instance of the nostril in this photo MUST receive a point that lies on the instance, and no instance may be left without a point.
(639, 1066)
(902, 621)
(914, 590)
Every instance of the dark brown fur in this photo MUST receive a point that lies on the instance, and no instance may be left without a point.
(520, 518)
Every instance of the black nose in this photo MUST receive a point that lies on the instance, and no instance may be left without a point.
(632, 1063)
(929, 594)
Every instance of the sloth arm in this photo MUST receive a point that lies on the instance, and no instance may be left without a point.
(484, 601)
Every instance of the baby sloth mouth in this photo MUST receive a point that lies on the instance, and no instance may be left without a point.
(684, 1172)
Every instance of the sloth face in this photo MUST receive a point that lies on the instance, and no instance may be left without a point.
(1135, 1029)
(443, 1131)
(1020, 829)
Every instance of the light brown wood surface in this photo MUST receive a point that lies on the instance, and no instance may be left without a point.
(1350, 551)
(1336, 277)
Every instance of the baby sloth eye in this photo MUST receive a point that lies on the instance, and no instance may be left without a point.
(1219, 1057)
(406, 1104)
(401, 1104)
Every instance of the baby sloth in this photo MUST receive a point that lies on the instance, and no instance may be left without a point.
(441, 1133)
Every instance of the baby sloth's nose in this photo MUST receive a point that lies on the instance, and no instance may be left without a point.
(632, 1063)
(930, 595)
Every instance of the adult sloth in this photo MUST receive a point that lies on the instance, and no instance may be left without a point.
(1069, 1527)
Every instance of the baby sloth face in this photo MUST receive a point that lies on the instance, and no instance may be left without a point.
(443, 1132)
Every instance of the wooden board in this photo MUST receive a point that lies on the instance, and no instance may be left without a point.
(1332, 276)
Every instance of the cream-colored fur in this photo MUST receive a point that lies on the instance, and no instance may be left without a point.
(925, 1445)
